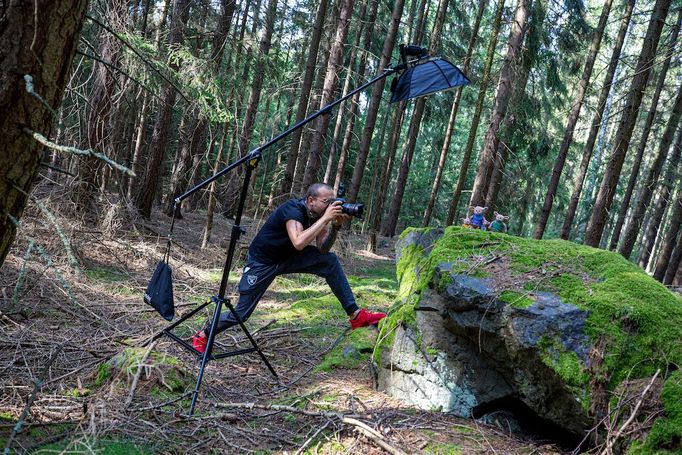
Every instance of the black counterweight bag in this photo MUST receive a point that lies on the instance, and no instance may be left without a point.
(159, 293)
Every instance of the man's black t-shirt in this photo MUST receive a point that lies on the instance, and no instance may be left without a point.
(272, 244)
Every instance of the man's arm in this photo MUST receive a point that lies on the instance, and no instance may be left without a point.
(301, 238)
(325, 241)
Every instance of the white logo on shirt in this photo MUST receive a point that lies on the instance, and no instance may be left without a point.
(251, 279)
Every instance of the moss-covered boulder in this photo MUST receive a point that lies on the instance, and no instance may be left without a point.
(543, 330)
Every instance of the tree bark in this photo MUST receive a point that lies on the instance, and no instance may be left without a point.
(482, 91)
(435, 188)
(334, 65)
(361, 159)
(595, 227)
(232, 192)
(649, 184)
(373, 108)
(625, 205)
(415, 124)
(306, 86)
(529, 54)
(597, 120)
(99, 115)
(655, 216)
(675, 261)
(572, 120)
(35, 48)
(504, 89)
(387, 168)
(665, 255)
(159, 144)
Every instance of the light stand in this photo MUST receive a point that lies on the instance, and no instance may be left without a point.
(251, 160)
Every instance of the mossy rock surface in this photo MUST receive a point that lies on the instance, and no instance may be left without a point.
(564, 324)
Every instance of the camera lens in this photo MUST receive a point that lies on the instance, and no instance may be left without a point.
(355, 210)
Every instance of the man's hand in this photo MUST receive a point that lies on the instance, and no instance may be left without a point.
(333, 212)
(341, 219)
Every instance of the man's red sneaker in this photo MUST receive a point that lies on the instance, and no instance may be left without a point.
(199, 341)
(365, 318)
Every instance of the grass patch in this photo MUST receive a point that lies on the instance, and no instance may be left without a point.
(107, 274)
(100, 447)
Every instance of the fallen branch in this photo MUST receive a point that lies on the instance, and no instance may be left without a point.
(310, 439)
(347, 419)
(373, 435)
(76, 151)
(612, 440)
(37, 387)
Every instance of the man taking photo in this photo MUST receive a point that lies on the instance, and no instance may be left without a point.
(296, 238)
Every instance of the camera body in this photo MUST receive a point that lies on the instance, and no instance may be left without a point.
(349, 208)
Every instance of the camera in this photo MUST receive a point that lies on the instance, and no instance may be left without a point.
(352, 209)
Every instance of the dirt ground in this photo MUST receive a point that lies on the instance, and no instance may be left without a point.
(79, 372)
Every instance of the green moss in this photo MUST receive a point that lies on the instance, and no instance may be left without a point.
(7, 416)
(443, 449)
(352, 352)
(399, 314)
(666, 434)
(77, 393)
(516, 299)
(568, 366)
(103, 373)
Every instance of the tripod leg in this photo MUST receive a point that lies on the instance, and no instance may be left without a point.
(253, 342)
(207, 353)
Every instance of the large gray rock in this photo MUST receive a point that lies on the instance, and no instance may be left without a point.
(472, 354)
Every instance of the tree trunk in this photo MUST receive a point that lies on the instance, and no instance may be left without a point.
(99, 116)
(502, 96)
(453, 117)
(137, 151)
(373, 108)
(232, 192)
(655, 216)
(197, 129)
(376, 181)
(415, 124)
(675, 262)
(337, 129)
(572, 120)
(597, 120)
(159, 144)
(334, 65)
(39, 46)
(306, 86)
(348, 134)
(664, 256)
(387, 168)
(529, 54)
(482, 91)
(645, 136)
(595, 227)
(650, 183)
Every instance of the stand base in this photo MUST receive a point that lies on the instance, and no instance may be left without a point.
(207, 355)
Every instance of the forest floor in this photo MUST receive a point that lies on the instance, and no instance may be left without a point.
(73, 321)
